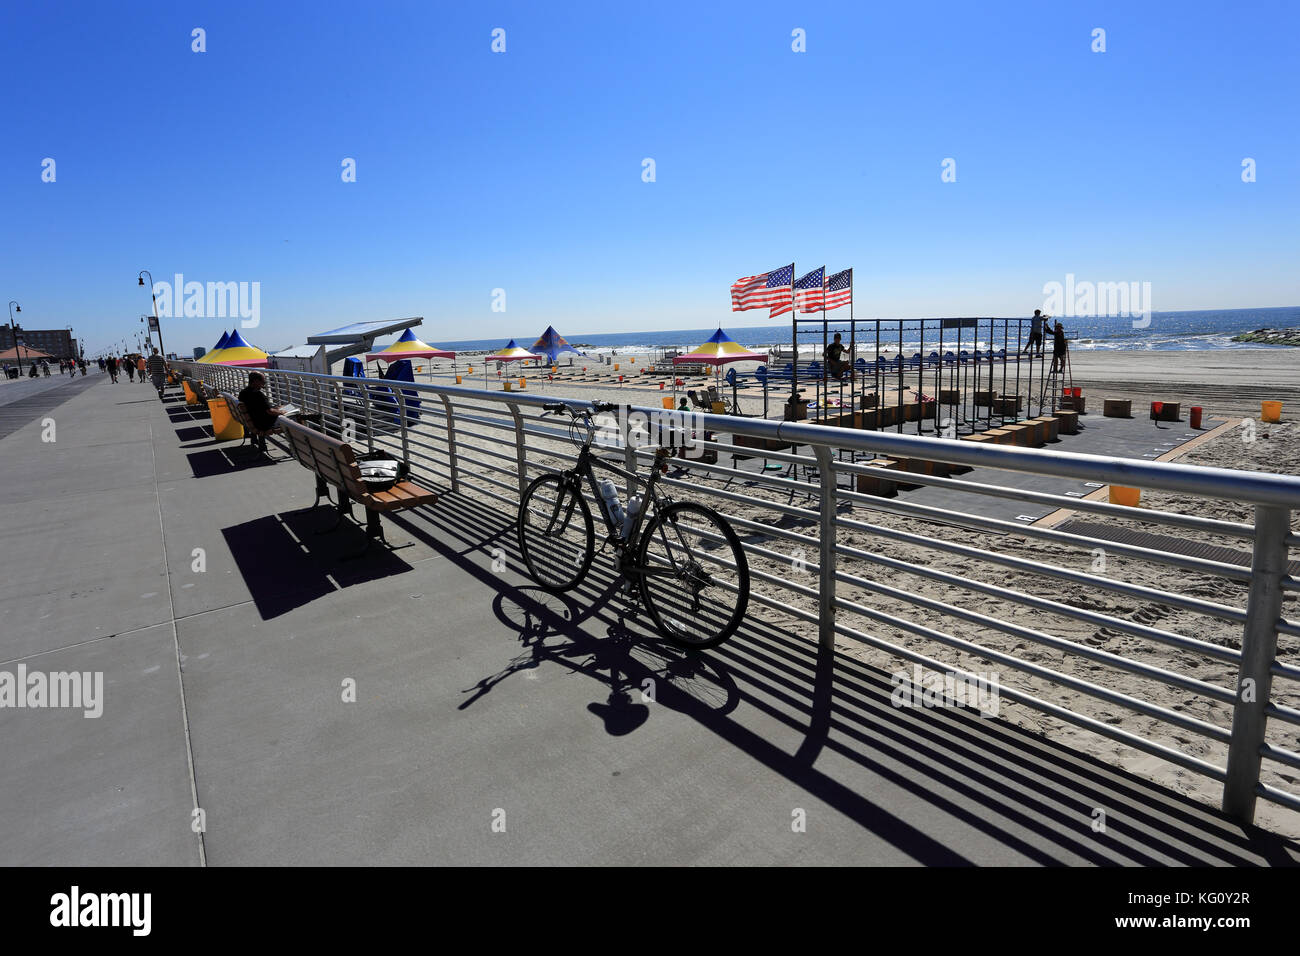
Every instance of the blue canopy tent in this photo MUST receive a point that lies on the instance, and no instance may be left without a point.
(551, 344)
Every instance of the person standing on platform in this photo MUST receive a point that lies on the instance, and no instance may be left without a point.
(834, 357)
(1036, 334)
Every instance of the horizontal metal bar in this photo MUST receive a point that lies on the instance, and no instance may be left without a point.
(1288, 757)
(1274, 795)
(1221, 611)
(1052, 607)
(1148, 671)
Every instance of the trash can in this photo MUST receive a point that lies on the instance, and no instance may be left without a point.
(1270, 411)
(224, 427)
(1196, 416)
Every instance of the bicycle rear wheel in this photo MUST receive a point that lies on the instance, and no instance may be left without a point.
(555, 533)
(694, 576)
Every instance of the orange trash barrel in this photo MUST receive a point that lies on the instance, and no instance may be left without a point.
(1196, 416)
(1270, 411)
(1119, 495)
(224, 426)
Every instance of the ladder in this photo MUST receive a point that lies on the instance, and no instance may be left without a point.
(1055, 381)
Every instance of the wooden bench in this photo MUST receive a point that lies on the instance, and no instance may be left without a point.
(333, 463)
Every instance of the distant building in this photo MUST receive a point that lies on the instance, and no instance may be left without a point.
(199, 352)
(56, 342)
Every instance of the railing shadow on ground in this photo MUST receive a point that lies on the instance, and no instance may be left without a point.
(286, 564)
(1033, 796)
(225, 461)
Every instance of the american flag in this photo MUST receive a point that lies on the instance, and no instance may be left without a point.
(839, 289)
(808, 293)
(757, 292)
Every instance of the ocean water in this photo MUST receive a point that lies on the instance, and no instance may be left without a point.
(1168, 331)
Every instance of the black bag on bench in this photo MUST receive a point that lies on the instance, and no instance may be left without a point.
(380, 470)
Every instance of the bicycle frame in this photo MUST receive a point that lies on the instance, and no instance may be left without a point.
(586, 466)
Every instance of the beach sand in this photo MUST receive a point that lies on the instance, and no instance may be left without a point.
(1225, 383)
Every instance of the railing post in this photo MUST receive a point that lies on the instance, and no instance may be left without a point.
(826, 560)
(401, 411)
(338, 396)
(451, 445)
(368, 398)
(629, 448)
(1258, 650)
(521, 457)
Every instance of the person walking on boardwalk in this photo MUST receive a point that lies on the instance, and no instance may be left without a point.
(1036, 333)
(141, 366)
(157, 367)
(1058, 348)
(110, 365)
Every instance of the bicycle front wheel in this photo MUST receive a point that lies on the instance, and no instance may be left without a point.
(694, 576)
(555, 533)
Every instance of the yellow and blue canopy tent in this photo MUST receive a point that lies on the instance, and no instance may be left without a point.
(238, 352)
(221, 344)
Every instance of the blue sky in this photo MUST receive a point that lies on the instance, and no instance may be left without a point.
(522, 170)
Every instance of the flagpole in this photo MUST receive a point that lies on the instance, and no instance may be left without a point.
(853, 350)
(825, 382)
(794, 337)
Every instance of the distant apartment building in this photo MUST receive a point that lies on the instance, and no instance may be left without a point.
(199, 352)
(56, 342)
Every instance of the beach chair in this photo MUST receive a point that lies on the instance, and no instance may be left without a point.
(760, 373)
(933, 360)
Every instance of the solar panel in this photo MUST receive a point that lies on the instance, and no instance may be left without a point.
(363, 331)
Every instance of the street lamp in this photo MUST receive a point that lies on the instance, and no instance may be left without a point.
(15, 307)
(143, 273)
(144, 320)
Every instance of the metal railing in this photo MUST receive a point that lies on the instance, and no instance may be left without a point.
(1206, 652)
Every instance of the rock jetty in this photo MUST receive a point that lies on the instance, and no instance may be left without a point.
(1270, 337)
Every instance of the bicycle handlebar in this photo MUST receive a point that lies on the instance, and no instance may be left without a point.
(562, 407)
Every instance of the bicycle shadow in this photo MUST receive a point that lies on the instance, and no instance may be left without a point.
(637, 667)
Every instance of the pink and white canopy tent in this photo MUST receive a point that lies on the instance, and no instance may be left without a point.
(512, 353)
(406, 347)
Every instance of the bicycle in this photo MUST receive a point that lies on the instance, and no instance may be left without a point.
(686, 566)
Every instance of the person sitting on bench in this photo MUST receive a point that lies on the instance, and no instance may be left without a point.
(834, 360)
(261, 412)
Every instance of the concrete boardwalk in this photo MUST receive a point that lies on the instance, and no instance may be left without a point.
(480, 699)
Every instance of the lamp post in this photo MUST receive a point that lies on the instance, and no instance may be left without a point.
(14, 306)
(148, 336)
(143, 273)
